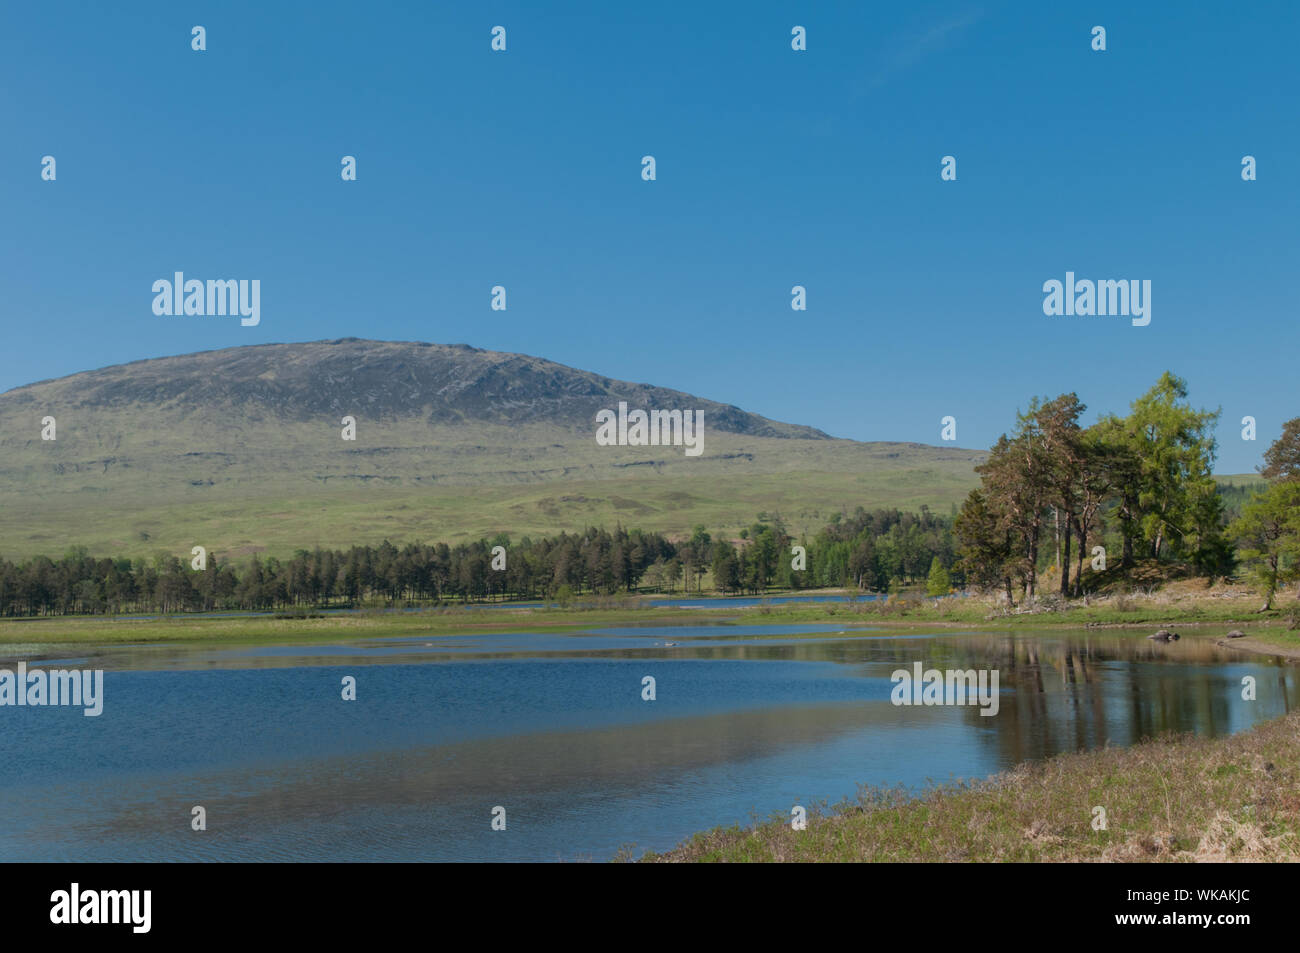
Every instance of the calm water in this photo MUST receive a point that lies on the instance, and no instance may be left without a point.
(748, 721)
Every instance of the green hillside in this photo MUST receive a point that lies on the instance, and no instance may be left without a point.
(240, 450)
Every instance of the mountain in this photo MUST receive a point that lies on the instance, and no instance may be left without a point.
(380, 380)
(240, 449)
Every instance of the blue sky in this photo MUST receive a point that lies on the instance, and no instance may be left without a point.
(775, 168)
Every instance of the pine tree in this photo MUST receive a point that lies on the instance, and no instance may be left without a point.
(938, 583)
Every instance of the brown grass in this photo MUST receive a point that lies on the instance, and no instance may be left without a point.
(1177, 798)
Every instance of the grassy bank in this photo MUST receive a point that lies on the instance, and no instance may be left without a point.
(1178, 798)
(334, 626)
(1207, 610)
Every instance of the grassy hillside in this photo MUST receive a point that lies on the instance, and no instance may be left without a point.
(278, 516)
(240, 450)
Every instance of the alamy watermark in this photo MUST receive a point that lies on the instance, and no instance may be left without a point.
(1104, 297)
(75, 906)
(666, 428)
(214, 297)
(41, 687)
(949, 687)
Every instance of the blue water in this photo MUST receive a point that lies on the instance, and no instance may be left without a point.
(747, 721)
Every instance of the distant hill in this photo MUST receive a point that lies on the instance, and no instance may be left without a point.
(383, 381)
(240, 449)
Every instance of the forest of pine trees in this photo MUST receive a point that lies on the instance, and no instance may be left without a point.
(866, 550)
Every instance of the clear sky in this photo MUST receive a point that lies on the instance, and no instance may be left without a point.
(774, 168)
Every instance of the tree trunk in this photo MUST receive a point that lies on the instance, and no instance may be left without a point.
(1056, 532)
(1083, 549)
(1126, 518)
(1031, 579)
(1065, 563)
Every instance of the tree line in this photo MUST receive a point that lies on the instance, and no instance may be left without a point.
(870, 550)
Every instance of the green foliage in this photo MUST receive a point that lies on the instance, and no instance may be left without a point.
(1149, 475)
(938, 583)
(1268, 532)
(1176, 448)
(865, 551)
(1282, 459)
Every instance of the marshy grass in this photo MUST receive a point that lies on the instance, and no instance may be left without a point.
(1177, 798)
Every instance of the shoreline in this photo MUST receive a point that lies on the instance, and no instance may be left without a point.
(1173, 798)
(1266, 635)
(1256, 647)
